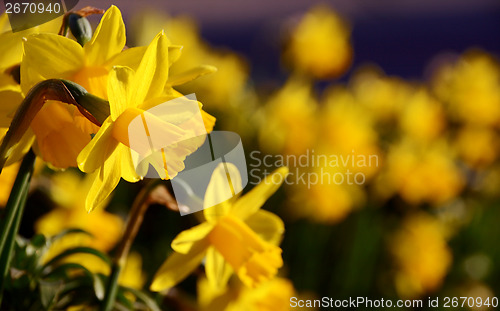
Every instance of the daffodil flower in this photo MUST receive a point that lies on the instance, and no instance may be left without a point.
(60, 129)
(109, 155)
(11, 53)
(237, 236)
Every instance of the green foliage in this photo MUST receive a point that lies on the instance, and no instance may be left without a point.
(57, 284)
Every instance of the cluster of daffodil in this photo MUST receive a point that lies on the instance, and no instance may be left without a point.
(435, 143)
(428, 153)
(71, 100)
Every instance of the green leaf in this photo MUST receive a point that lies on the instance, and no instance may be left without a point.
(50, 270)
(66, 232)
(79, 250)
(80, 28)
(49, 292)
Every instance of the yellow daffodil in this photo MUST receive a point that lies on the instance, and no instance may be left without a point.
(319, 46)
(68, 191)
(290, 118)
(108, 156)
(383, 97)
(471, 89)
(61, 130)
(11, 53)
(218, 90)
(236, 236)
(314, 201)
(273, 295)
(422, 117)
(477, 145)
(132, 275)
(347, 128)
(421, 173)
(421, 254)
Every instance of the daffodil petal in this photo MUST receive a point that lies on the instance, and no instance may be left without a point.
(174, 52)
(118, 82)
(217, 269)
(128, 171)
(185, 240)
(178, 266)
(7, 83)
(130, 57)
(50, 56)
(11, 50)
(9, 102)
(4, 23)
(268, 225)
(190, 75)
(17, 152)
(224, 184)
(208, 121)
(105, 180)
(108, 39)
(98, 150)
(152, 73)
(251, 202)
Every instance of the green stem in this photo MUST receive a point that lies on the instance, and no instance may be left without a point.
(134, 222)
(14, 208)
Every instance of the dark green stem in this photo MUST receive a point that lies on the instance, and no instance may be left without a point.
(14, 209)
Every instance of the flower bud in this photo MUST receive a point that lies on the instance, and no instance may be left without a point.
(80, 28)
(94, 108)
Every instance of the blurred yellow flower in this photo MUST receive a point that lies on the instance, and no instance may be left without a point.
(237, 235)
(328, 201)
(422, 256)
(132, 274)
(69, 190)
(347, 128)
(218, 90)
(383, 97)
(422, 117)
(273, 295)
(421, 173)
(477, 145)
(290, 119)
(471, 88)
(319, 46)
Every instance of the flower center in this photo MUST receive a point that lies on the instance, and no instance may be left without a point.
(94, 80)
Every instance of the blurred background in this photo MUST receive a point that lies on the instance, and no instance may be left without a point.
(414, 83)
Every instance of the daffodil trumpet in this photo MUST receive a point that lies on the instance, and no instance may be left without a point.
(92, 107)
